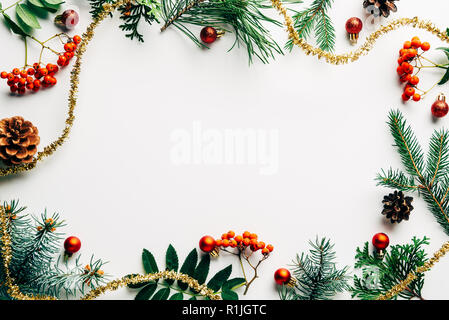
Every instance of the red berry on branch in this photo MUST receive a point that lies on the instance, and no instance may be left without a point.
(440, 107)
(425, 46)
(208, 34)
(72, 245)
(77, 39)
(4, 75)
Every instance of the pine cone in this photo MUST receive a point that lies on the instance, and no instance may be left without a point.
(397, 207)
(18, 141)
(384, 6)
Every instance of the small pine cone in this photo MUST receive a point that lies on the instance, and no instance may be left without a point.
(18, 141)
(383, 6)
(397, 207)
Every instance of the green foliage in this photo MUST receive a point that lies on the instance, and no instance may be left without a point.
(445, 77)
(429, 177)
(316, 274)
(28, 13)
(379, 276)
(244, 18)
(315, 20)
(219, 283)
(36, 243)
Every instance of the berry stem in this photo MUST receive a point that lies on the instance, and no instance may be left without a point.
(26, 53)
(13, 5)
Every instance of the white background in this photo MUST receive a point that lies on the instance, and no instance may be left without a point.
(116, 187)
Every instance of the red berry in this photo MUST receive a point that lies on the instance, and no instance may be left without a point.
(77, 39)
(23, 74)
(43, 71)
(409, 91)
(425, 46)
(13, 88)
(31, 71)
(62, 60)
(10, 77)
(37, 83)
(47, 79)
(414, 80)
(416, 97)
(30, 86)
(10, 82)
(4, 75)
(30, 79)
(22, 81)
(16, 71)
(405, 97)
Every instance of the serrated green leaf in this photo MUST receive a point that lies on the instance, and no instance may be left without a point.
(162, 294)
(136, 285)
(146, 292)
(229, 295)
(177, 296)
(149, 263)
(27, 16)
(233, 284)
(202, 270)
(188, 267)
(171, 259)
(445, 78)
(220, 278)
(17, 29)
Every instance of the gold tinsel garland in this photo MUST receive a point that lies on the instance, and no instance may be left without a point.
(336, 59)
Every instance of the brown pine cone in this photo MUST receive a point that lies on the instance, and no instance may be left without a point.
(18, 141)
(384, 6)
(397, 207)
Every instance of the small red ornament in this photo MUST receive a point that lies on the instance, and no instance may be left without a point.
(283, 277)
(71, 245)
(207, 244)
(208, 34)
(68, 19)
(353, 26)
(380, 242)
(440, 107)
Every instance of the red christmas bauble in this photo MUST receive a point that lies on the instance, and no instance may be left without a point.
(440, 107)
(72, 245)
(381, 241)
(208, 34)
(282, 276)
(354, 25)
(207, 244)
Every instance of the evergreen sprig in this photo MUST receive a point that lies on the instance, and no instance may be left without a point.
(315, 20)
(379, 276)
(244, 18)
(429, 177)
(34, 267)
(133, 13)
(169, 290)
(316, 274)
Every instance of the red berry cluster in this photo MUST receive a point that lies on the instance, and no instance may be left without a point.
(243, 241)
(407, 55)
(39, 76)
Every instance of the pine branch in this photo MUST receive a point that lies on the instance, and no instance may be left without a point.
(316, 274)
(244, 18)
(396, 179)
(315, 18)
(438, 157)
(379, 276)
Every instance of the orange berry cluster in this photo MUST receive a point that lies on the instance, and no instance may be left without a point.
(408, 54)
(39, 76)
(245, 240)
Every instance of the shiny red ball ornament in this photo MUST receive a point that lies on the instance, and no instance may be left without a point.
(353, 26)
(207, 244)
(71, 245)
(208, 34)
(381, 241)
(440, 107)
(282, 276)
(68, 19)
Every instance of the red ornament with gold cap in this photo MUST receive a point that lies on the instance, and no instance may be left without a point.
(380, 242)
(353, 26)
(207, 244)
(71, 245)
(440, 107)
(283, 276)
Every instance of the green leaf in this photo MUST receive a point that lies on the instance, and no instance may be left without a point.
(149, 263)
(193, 298)
(171, 259)
(220, 278)
(146, 292)
(188, 267)
(53, 2)
(37, 4)
(27, 16)
(445, 78)
(202, 270)
(229, 295)
(50, 7)
(177, 296)
(233, 284)
(445, 50)
(162, 294)
(136, 285)
(17, 29)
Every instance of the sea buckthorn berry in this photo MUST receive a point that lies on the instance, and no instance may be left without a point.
(225, 243)
(68, 56)
(246, 234)
(23, 74)
(416, 43)
(412, 53)
(36, 66)
(53, 81)
(47, 79)
(30, 79)
(265, 251)
(231, 234)
(51, 68)
(270, 248)
(37, 83)
(425, 46)
(407, 44)
(233, 243)
(4, 75)
(261, 245)
(43, 71)
(31, 71)
(253, 236)
(10, 77)
(238, 239)
(77, 39)
(62, 60)
(409, 91)
(246, 241)
(405, 97)
(416, 97)
(218, 242)
(399, 70)
(15, 71)
(405, 78)
(253, 242)
(16, 79)
(224, 236)
(414, 80)
(401, 52)
(22, 81)
(30, 86)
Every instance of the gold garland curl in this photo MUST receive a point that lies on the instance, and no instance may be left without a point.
(336, 59)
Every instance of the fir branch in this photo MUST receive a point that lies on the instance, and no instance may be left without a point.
(378, 276)
(244, 18)
(315, 18)
(316, 274)
(432, 176)
(396, 179)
